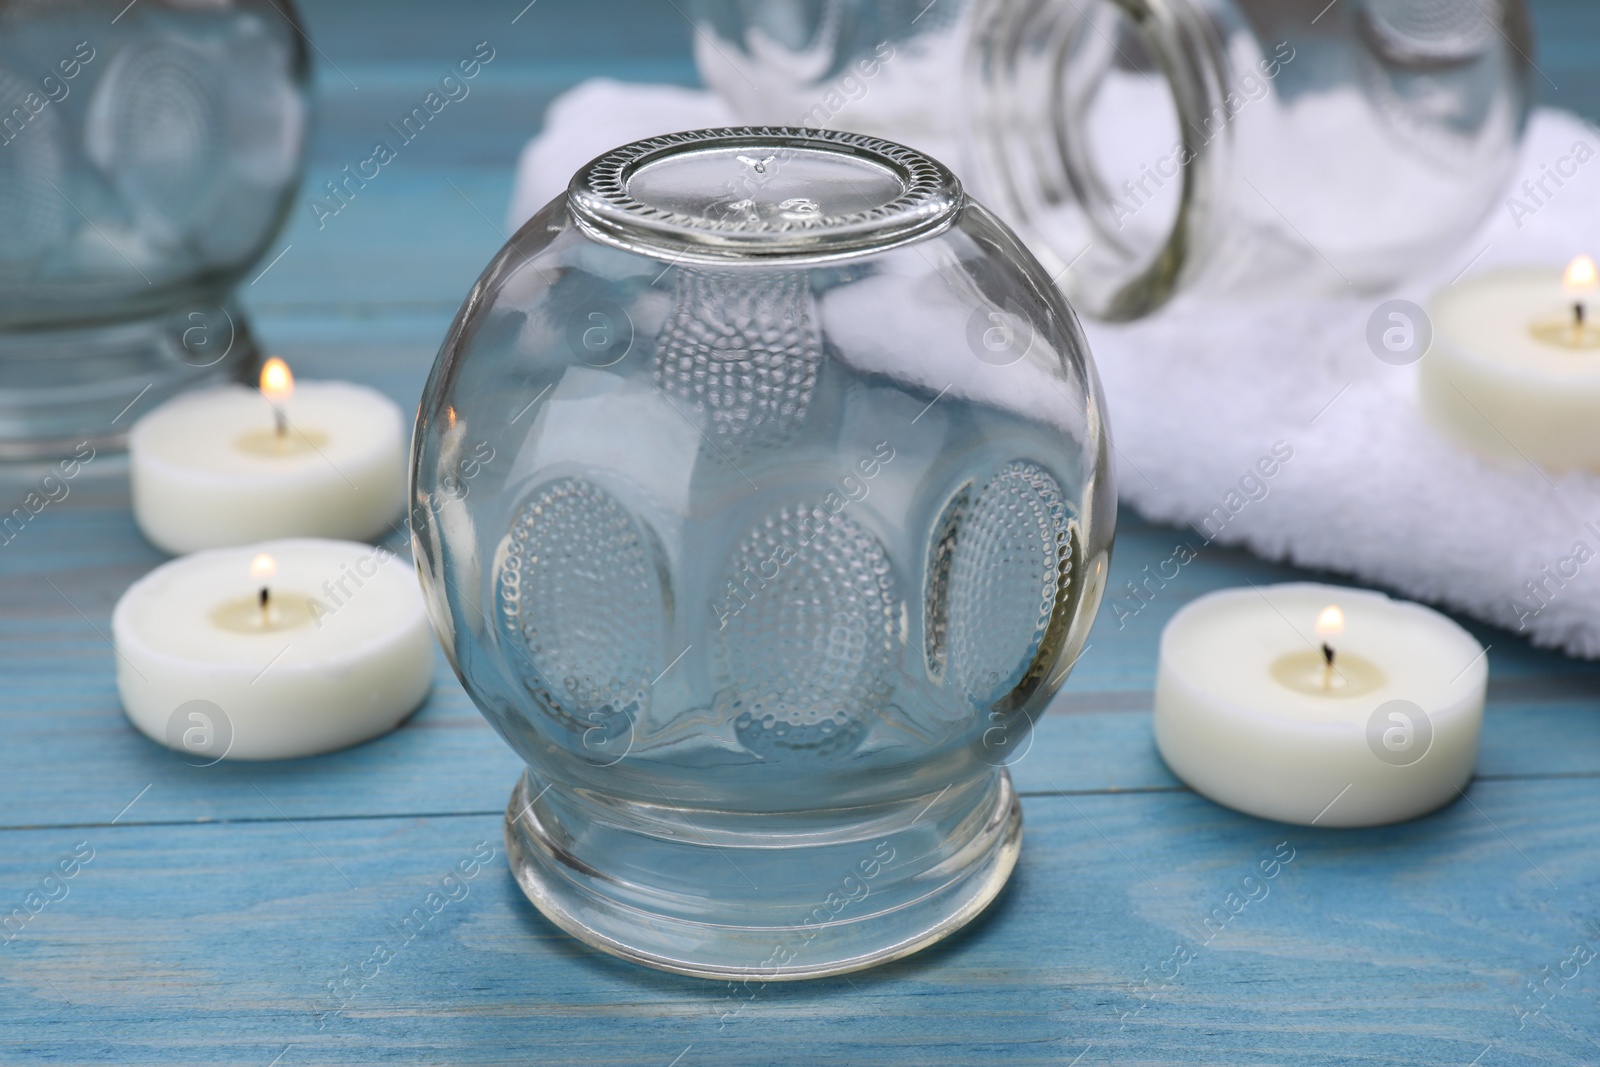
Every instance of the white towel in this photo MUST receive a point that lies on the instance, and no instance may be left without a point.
(1205, 396)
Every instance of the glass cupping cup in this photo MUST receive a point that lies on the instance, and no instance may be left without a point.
(762, 502)
(1145, 148)
(148, 154)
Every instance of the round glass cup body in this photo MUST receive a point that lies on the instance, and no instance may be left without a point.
(762, 502)
(147, 157)
(1145, 148)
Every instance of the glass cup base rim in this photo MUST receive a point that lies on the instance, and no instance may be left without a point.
(536, 868)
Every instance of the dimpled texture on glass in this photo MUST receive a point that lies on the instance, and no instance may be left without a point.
(580, 604)
(1012, 556)
(804, 659)
(1440, 30)
(741, 352)
(781, 561)
(32, 214)
(160, 130)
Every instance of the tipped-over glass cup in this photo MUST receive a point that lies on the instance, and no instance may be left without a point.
(1145, 148)
(762, 503)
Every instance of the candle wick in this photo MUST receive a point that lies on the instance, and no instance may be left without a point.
(279, 422)
(265, 597)
(1327, 653)
(1327, 666)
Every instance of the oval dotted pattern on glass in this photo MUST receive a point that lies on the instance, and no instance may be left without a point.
(806, 648)
(1431, 31)
(161, 131)
(581, 603)
(33, 216)
(1011, 561)
(739, 354)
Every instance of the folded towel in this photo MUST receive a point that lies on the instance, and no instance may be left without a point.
(1271, 424)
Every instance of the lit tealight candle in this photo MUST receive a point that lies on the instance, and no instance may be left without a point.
(1579, 283)
(232, 465)
(284, 649)
(1319, 705)
(1514, 370)
(277, 386)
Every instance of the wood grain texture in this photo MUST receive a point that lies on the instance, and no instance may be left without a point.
(205, 944)
(220, 903)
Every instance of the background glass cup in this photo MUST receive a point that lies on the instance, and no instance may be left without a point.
(148, 153)
(791, 509)
(1144, 148)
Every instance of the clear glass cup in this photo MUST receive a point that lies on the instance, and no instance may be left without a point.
(1147, 147)
(762, 502)
(148, 153)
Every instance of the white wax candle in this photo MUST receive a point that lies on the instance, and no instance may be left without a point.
(340, 651)
(1249, 712)
(1514, 370)
(217, 467)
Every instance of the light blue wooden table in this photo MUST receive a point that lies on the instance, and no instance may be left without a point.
(210, 911)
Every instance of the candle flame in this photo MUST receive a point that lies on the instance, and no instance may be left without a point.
(263, 567)
(1581, 276)
(277, 383)
(1330, 621)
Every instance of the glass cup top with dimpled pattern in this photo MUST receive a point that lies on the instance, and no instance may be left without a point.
(762, 503)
